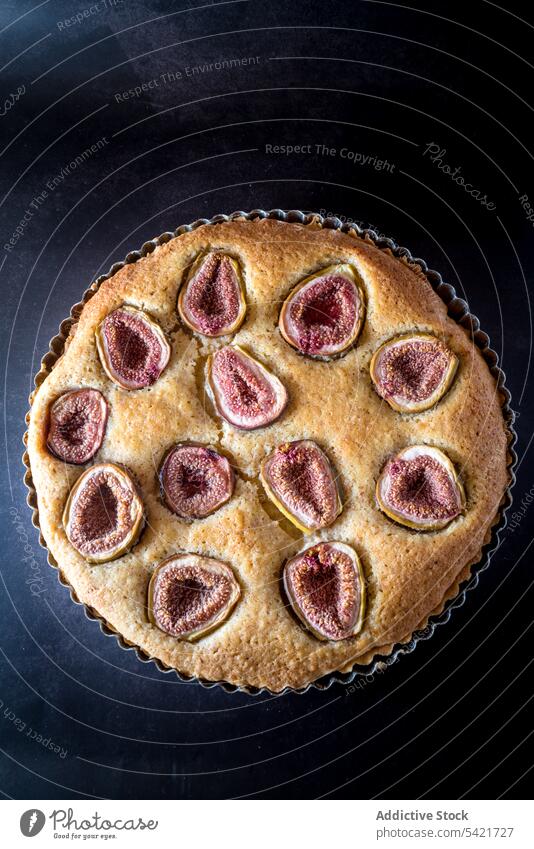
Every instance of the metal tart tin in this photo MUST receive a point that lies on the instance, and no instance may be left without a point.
(457, 309)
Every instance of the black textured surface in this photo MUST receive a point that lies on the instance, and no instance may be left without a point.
(377, 79)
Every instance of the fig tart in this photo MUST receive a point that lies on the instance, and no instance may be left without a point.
(267, 453)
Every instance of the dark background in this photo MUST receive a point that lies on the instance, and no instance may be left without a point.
(452, 719)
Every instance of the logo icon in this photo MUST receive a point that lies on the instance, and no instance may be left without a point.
(31, 822)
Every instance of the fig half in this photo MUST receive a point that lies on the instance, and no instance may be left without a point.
(419, 488)
(190, 595)
(212, 299)
(195, 480)
(299, 480)
(245, 393)
(103, 517)
(323, 315)
(413, 372)
(326, 588)
(132, 348)
(77, 423)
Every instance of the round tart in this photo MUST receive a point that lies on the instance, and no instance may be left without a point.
(284, 456)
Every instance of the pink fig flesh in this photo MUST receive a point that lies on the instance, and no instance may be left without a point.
(245, 393)
(299, 479)
(77, 425)
(419, 488)
(104, 516)
(326, 589)
(195, 480)
(323, 315)
(212, 301)
(413, 372)
(132, 348)
(190, 595)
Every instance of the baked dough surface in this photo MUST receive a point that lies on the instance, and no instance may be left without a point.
(409, 575)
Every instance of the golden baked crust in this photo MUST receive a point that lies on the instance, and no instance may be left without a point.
(409, 575)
